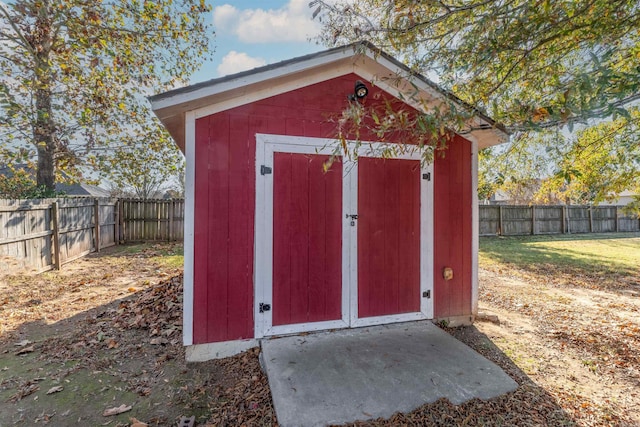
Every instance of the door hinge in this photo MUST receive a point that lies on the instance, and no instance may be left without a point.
(265, 170)
(426, 294)
(264, 307)
(427, 176)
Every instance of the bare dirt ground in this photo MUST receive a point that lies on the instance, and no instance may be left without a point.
(578, 337)
(105, 333)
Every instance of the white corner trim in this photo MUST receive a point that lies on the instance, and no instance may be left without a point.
(218, 350)
(475, 228)
(189, 215)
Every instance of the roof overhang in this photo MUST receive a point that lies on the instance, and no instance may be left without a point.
(362, 59)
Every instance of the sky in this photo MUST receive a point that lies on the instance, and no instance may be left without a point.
(252, 33)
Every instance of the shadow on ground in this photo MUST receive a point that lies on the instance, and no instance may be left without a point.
(528, 405)
(120, 354)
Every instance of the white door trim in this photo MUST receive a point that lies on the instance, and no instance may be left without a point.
(377, 150)
(266, 146)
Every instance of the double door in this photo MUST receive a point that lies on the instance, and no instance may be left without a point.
(340, 243)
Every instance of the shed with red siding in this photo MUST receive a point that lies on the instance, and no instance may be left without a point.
(285, 233)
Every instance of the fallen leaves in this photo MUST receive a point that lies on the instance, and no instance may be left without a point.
(137, 423)
(246, 399)
(25, 390)
(116, 410)
(157, 309)
(591, 324)
(55, 389)
(25, 350)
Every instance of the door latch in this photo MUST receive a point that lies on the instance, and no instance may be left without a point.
(353, 218)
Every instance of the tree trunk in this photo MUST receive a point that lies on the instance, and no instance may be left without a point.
(43, 137)
(44, 127)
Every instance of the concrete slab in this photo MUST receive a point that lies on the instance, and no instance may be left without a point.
(358, 374)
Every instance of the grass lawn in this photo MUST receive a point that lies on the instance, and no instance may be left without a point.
(602, 254)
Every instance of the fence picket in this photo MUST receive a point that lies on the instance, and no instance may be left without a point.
(29, 228)
(47, 233)
(514, 220)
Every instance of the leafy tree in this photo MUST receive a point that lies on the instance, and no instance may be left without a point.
(599, 162)
(145, 169)
(530, 64)
(533, 65)
(73, 74)
(19, 183)
(592, 165)
(519, 169)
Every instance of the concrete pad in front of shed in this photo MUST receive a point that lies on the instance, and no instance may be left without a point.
(358, 374)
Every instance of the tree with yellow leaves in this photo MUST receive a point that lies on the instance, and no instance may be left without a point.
(74, 73)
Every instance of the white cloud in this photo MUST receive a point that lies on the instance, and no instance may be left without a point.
(290, 23)
(234, 62)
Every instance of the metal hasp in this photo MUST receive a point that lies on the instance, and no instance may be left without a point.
(264, 307)
(426, 294)
(427, 176)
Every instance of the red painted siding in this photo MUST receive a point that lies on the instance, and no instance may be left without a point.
(452, 229)
(225, 206)
(307, 249)
(225, 196)
(388, 236)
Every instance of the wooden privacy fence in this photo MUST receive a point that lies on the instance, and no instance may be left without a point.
(47, 233)
(507, 220)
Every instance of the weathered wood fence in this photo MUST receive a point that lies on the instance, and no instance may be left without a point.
(43, 234)
(507, 220)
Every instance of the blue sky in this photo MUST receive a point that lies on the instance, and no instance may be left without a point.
(251, 33)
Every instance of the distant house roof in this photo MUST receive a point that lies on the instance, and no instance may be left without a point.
(361, 58)
(79, 189)
(82, 189)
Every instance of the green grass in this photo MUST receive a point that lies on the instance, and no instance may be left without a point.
(171, 261)
(168, 255)
(617, 253)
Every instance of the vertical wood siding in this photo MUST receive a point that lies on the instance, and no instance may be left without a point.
(388, 236)
(225, 196)
(307, 249)
(452, 229)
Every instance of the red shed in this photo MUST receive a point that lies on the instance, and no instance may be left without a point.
(274, 244)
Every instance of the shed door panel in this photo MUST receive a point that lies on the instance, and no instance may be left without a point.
(307, 248)
(388, 236)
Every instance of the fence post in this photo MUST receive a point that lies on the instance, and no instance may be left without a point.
(590, 219)
(122, 223)
(172, 207)
(116, 220)
(500, 220)
(56, 236)
(96, 214)
(533, 220)
(617, 226)
(564, 219)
